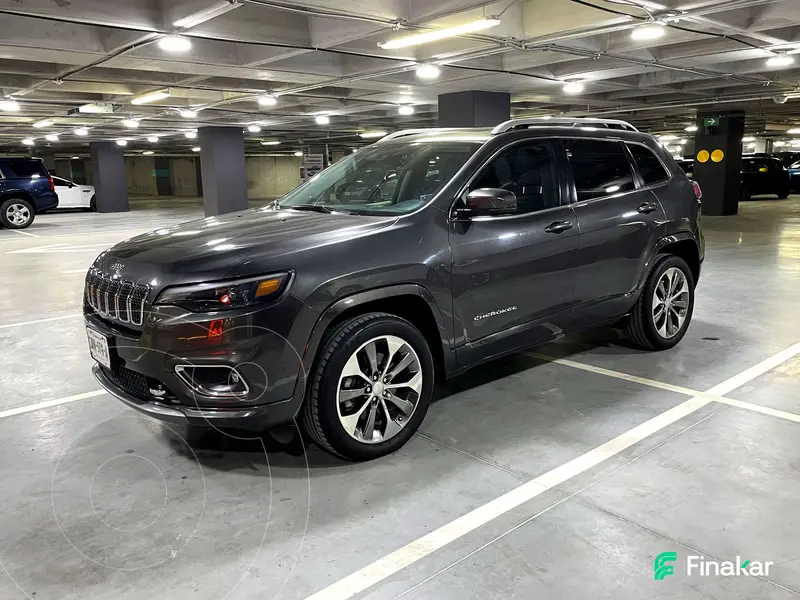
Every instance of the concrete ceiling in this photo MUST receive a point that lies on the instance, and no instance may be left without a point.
(322, 56)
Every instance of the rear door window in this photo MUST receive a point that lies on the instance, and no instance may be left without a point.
(24, 169)
(599, 168)
(650, 168)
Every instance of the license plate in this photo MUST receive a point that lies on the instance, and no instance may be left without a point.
(98, 347)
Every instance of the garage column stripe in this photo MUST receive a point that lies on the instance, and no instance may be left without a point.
(385, 567)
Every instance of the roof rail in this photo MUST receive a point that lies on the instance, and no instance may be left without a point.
(405, 132)
(562, 122)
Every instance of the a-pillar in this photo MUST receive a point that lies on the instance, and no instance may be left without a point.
(718, 160)
(222, 169)
(108, 177)
(474, 109)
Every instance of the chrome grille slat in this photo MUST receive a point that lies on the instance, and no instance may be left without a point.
(114, 298)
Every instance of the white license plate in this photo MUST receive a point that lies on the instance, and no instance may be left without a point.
(98, 347)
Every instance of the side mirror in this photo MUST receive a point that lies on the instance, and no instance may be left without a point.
(492, 202)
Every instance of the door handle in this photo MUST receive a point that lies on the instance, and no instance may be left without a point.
(647, 208)
(558, 226)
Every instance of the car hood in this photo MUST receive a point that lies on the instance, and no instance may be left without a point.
(239, 244)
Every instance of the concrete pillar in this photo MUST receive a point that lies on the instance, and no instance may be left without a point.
(108, 177)
(222, 169)
(718, 160)
(49, 158)
(474, 109)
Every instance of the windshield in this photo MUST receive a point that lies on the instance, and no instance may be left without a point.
(383, 179)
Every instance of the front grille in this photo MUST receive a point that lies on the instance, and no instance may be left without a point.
(138, 385)
(116, 298)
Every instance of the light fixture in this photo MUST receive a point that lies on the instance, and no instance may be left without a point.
(151, 97)
(778, 143)
(130, 123)
(43, 123)
(152, 139)
(190, 135)
(81, 132)
(573, 87)
(174, 43)
(253, 128)
(267, 100)
(298, 153)
(372, 134)
(270, 142)
(187, 113)
(650, 31)
(406, 110)
(147, 152)
(668, 137)
(748, 139)
(440, 34)
(76, 158)
(428, 71)
(9, 105)
(680, 142)
(122, 142)
(355, 150)
(51, 137)
(322, 119)
(780, 60)
(691, 128)
(196, 149)
(794, 130)
(28, 142)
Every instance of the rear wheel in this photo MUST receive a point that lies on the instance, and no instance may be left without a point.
(783, 193)
(370, 388)
(16, 213)
(662, 313)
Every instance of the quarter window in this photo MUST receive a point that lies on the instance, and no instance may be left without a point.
(650, 168)
(599, 168)
(528, 170)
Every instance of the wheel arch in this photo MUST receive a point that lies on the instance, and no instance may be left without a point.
(684, 246)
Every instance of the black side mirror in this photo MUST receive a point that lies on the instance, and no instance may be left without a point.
(492, 202)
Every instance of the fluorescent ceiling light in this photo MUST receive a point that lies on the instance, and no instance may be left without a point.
(151, 97)
(9, 105)
(97, 107)
(372, 134)
(81, 132)
(406, 110)
(51, 137)
(794, 130)
(196, 149)
(781, 60)
(253, 128)
(322, 119)
(147, 152)
(651, 31)
(298, 153)
(122, 142)
(270, 142)
(267, 100)
(428, 71)
(152, 139)
(573, 87)
(748, 139)
(691, 128)
(28, 142)
(440, 34)
(76, 158)
(43, 123)
(174, 43)
(191, 135)
(187, 113)
(668, 138)
(130, 123)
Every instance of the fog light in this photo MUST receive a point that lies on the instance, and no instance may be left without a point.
(216, 381)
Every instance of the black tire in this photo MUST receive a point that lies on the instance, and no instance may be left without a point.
(747, 195)
(640, 328)
(8, 204)
(320, 413)
(784, 193)
(93, 204)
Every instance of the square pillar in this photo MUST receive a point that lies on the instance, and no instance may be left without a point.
(108, 177)
(222, 169)
(718, 160)
(474, 109)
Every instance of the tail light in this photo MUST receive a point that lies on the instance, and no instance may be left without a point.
(52, 184)
(698, 193)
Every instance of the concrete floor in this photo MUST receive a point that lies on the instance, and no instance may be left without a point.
(566, 494)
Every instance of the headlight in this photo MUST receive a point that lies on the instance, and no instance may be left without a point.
(225, 295)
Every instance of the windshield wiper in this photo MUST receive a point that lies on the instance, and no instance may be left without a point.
(320, 208)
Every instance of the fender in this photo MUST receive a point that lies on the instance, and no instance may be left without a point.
(680, 236)
(359, 299)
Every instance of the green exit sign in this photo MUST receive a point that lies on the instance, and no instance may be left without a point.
(711, 121)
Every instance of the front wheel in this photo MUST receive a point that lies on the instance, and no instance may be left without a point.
(370, 388)
(16, 213)
(662, 313)
(93, 204)
(783, 193)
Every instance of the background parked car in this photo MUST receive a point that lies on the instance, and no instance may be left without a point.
(764, 175)
(26, 188)
(794, 176)
(74, 195)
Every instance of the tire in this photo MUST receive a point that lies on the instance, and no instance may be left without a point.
(746, 195)
(784, 193)
(93, 203)
(326, 413)
(16, 213)
(646, 331)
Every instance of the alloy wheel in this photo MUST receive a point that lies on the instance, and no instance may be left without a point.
(671, 303)
(18, 214)
(379, 389)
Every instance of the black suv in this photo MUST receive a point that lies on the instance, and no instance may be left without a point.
(416, 258)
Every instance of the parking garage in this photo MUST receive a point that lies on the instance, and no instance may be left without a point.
(583, 467)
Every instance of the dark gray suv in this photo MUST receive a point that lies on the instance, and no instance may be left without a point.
(414, 259)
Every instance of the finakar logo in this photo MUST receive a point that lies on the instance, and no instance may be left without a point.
(699, 565)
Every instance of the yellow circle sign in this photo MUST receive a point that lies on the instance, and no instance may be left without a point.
(703, 156)
(717, 156)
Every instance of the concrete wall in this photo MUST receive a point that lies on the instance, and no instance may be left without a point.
(183, 176)
(139, 175)
(271, 176)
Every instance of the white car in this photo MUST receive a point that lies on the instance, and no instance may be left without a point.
(73, 195)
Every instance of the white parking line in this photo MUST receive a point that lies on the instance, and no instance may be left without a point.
(47, 404)
(764, 410)
(23, 323)
(70, 271)
(25, 233)
(401, 558)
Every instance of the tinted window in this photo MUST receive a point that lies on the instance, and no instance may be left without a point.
(599, 168)
(60, 182)
(650, 168)
(23, 168)
(529, 171)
